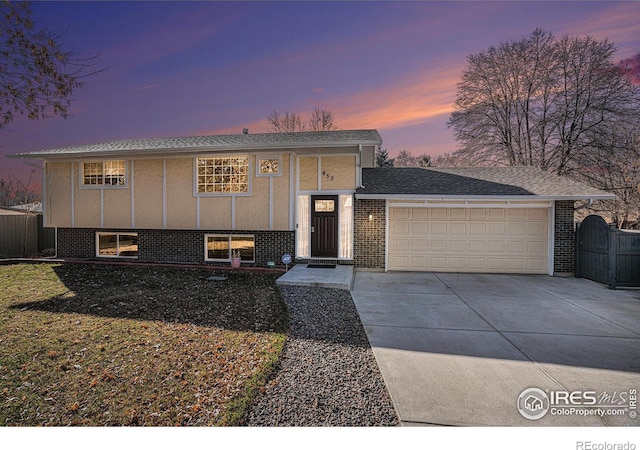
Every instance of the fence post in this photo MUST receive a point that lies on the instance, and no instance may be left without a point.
(576, 245)
(613, 256)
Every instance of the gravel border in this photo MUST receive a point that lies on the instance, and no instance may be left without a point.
(327, 374)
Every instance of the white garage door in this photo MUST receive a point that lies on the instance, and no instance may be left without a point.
(491, 240)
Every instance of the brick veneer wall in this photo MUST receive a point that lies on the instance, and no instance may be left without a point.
(564, 238)
(369, 235)
(178, 246)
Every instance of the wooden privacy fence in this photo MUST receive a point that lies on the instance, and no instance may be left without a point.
(15, 230)
(606, 254)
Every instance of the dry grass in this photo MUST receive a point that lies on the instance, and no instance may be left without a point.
(105, 345)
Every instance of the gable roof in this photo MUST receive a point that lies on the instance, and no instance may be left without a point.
(472, 182)
(214, 143)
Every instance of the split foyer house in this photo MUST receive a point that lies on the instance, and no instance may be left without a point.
(313, 195)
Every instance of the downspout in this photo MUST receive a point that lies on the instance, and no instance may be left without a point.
(359, 173)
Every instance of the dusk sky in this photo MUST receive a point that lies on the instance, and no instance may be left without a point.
(192, 68)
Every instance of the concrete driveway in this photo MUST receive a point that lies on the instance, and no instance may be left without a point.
(459, 349)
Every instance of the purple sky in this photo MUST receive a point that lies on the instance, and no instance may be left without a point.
(188, 68)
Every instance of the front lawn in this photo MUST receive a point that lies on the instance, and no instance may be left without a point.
(101, 345)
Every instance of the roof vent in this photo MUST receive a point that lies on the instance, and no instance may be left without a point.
(245, 131)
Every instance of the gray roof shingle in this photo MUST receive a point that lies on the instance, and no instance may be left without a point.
(226, 142)
(472, 182)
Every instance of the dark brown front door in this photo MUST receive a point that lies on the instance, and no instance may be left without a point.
(324, 226)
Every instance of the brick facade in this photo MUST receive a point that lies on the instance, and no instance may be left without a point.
(177, 246)
(564, 238)
(369, 236)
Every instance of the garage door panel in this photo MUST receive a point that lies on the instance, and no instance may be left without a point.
(477, 246)
(496, 214)
(477, 214)
(438, 213)
(400, 228)
(457, 213)
(516, 229)
(539, 214)
(398, 244)
(458, 229)
(536, 229)
(477, 229)
(419, 227)
(496, 264)
(497, 229)
(419, 213)
(469, 239)
(399, 214)
(458, 246)
(439, 229)
(537, 248)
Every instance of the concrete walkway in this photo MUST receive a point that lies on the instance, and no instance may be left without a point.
(459, 349)
(339, 277)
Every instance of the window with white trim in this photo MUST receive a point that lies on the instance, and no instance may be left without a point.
(222, 175)
(104, 173)
(221, 247)
(269, 166)
(117, 245)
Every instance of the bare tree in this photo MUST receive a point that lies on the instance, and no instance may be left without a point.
(321, 120)
(541, 101)
(37, 77)
(614, 166)
(406, 159)
(285, 123)
(449, 160)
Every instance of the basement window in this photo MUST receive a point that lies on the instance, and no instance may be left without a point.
(220, 247)
(117, 245)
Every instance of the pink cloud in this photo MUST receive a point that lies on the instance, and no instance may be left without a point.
(620, 24)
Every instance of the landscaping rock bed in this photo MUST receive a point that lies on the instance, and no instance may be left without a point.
(327, 374)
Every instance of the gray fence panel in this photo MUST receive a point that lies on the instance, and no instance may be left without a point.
(627, 258)
(606, 254)
(14, 229)
(593, 249)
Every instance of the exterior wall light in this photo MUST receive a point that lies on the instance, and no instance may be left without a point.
(370, 215)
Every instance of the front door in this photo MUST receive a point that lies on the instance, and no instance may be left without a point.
(324, 226)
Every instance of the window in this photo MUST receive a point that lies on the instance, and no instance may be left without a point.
(219, 247)
(324, 206)
(104, 173)
(228, 175)
(117, 245)
(268, 166)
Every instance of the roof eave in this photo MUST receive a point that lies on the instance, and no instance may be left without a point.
(194, 150)
(439, 197)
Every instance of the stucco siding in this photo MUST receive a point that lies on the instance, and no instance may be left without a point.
(309, 173)
(59, 194)
(117, 208)
(148, 193)
(252, 212)
(181, 204)
(215, 213)
(281, 197)
(87, 203)
(338, 172)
